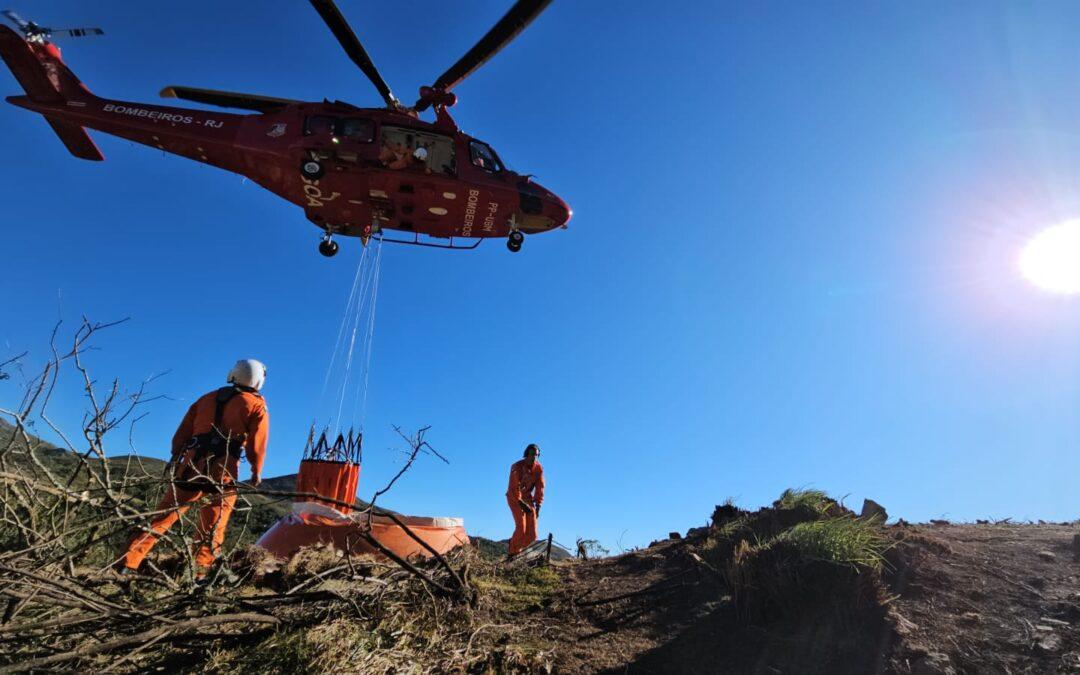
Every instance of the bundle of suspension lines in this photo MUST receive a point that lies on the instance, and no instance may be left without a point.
(345, 387)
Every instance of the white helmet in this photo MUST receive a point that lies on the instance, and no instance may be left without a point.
(420, 154)
(248, 373)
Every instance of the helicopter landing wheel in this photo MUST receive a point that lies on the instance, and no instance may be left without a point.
(515, 240)
(328, 247)
(312, 170)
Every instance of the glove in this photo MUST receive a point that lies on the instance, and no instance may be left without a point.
(537, 510)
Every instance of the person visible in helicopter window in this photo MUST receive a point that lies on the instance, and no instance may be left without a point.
(420, 160)
(394, 155)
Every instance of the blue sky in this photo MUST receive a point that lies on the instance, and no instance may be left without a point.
(792, 260)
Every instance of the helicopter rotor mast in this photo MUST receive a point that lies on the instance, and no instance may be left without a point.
(501, 34)
(439, 95)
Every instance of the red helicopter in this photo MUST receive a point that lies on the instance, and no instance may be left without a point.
(355, 171)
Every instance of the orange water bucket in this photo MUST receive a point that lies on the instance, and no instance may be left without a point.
(328, 478)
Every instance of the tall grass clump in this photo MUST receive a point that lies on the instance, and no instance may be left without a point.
(815, 500)
(804, 556)
(843, 541)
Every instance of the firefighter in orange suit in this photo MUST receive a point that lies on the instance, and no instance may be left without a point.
(525, 495)
(206, 450)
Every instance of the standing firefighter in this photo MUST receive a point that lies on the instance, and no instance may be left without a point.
(525, 495)
(206, 450)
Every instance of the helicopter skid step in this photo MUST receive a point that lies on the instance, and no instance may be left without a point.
(415, 241)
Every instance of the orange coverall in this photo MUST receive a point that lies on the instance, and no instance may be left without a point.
(244, 414)
(526, 485)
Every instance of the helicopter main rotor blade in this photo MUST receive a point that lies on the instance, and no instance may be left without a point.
(228, 99)
(351, 44)
(500, 35)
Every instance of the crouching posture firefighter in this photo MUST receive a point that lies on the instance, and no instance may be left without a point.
(525, 495)
(206, 451)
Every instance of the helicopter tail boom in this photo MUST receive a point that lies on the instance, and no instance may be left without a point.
(47, 80)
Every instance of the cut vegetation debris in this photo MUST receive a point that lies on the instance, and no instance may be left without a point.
(799, 586)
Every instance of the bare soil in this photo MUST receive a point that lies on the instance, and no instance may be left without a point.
(991, 598)
(961, 599)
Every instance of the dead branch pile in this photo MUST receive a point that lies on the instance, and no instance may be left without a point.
(66, 512)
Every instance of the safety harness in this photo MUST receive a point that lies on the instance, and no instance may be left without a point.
(194, 475)
(214, 443)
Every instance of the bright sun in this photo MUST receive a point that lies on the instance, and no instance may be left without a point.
(1051, 260)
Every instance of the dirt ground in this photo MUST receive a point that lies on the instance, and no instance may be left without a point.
(988, 598)
(962, 599)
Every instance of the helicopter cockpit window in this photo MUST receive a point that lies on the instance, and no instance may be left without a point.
(357, 130)
(319, 125)
(415, 150)
(483, 156)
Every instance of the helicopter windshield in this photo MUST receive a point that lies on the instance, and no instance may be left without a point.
(401, 149)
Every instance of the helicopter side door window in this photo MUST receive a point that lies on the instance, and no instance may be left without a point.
(319, 125)
(483, 156)
(357, 130)
(417, 150)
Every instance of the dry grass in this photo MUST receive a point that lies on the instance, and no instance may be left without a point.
(312, 560)
(518, 589)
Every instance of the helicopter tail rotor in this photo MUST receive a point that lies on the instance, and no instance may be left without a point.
(35, 33)
(75, 32)
(19, 22)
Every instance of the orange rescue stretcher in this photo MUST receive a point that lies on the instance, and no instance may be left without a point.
(314, 521)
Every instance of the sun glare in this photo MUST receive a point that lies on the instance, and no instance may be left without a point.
(1051, 260)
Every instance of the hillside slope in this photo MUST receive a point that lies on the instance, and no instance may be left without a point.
(962, 598)
(801, 586)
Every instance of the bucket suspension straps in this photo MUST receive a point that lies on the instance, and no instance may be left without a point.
(346, 447)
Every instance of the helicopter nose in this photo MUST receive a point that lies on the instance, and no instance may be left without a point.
(541, 209)
(559, 210)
